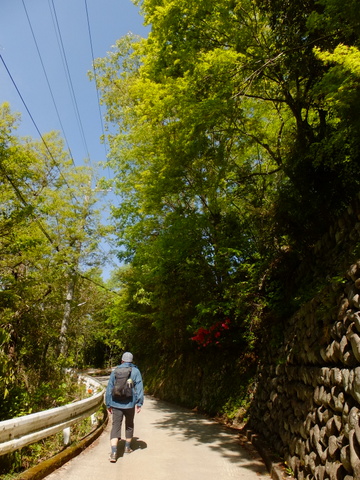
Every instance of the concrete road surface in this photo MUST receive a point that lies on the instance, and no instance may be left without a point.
(170, 443)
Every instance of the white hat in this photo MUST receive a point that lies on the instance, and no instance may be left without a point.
(127, 357)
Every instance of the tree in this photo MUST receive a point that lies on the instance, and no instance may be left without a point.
(49, 235)
(182, 164)
(231, 156)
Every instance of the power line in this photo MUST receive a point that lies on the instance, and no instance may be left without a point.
(45, 232)
(34, 123)
(26, 204)
(18, 192)
(47, 80)
(95, 75)
(98, 284)
(67, 71)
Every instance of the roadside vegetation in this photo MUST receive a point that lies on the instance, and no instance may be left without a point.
(50, 396)
(234, 145)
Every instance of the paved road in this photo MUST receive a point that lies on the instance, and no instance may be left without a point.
(170, 443)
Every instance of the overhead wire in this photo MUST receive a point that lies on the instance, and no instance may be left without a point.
(66, 67)
(67, 71)
(47, 235)
(27, 204)
(97, 89)
(95, 75)
(47, 81)
(22, 199)
(34, 123)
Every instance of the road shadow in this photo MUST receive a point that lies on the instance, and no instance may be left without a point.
(136, 444)
(187, 424)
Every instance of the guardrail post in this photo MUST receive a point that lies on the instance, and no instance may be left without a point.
(66, 436)
(93, 419)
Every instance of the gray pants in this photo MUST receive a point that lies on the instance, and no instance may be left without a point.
(117, 418)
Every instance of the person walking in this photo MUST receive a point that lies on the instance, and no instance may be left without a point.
(120, 407)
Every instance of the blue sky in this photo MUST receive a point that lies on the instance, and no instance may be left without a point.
(20, 22)
(108, 20)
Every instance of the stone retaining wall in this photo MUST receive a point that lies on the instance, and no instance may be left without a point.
(307, 403)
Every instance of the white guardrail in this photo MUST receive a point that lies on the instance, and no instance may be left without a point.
(18, 432)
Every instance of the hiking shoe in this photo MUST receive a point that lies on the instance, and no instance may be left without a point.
(127, 450)
(112, 457)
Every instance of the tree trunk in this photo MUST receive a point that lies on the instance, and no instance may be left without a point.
(67, 314)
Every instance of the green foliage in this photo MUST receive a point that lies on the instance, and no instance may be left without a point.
(235, 409)
(324, 157)
(28, 393)
(234, 142)
(48, 396)
(49, 233)
(234, 145)
(7, 375)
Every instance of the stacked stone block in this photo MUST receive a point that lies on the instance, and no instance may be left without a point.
(308, 402)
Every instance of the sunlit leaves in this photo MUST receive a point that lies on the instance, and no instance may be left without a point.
(232, 129)
(49, 228)
(342, 80)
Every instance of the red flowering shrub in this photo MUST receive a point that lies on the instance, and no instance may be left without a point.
(205, 337)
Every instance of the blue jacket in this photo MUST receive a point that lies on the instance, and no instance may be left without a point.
(137, 398)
